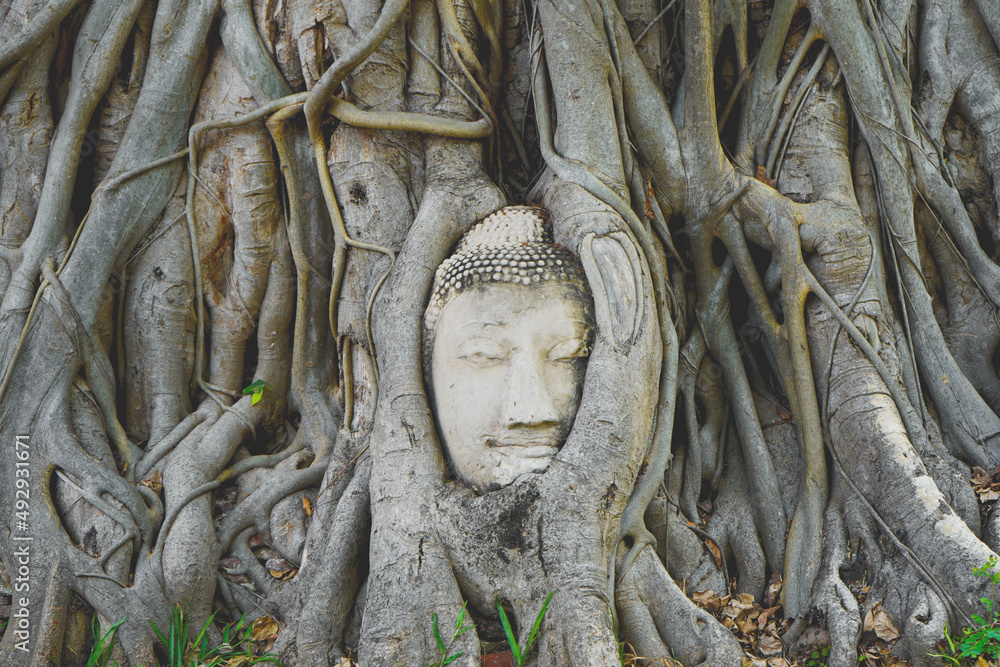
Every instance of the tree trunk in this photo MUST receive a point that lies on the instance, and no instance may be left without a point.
(214, 389)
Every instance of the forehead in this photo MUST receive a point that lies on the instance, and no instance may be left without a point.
(554, 306)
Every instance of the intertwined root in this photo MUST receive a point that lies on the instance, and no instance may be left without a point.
(844, 407)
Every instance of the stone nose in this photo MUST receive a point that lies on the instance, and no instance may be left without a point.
(529, 400)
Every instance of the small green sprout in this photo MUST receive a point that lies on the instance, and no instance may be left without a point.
(818, 657)
(256, 389)
(521, 653)
(982, 640)
(446, 656)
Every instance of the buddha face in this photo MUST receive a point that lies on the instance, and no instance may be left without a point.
(507, 369)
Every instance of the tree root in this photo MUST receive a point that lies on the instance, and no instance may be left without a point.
(843, 619)
(671, 619)
(324, 617)
(254, 510)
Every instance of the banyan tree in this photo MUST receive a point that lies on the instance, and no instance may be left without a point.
(236, 239)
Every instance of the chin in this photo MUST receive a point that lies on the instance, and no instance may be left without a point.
(511, 471)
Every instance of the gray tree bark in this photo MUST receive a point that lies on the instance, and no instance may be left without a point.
(786, 212)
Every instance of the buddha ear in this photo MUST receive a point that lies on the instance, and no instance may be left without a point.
(615, 275)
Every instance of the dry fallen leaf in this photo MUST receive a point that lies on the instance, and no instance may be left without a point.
(154, 482)
(777, 662)
(989, 494)
(716, 553)
(713, 548)
(746, 624)
(708, 600)
(307, 506)
(979, 476)
(769, 645)
(766, 615)
(761, 175)
(773, 590)
(230, 565)
(738, 603)
(877, 621)
(893, 661)
(264, 628)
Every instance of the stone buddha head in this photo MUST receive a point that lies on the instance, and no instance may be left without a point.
(507, 334)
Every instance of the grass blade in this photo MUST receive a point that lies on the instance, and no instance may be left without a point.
(202, 641)
(102, 643)
(511, 639)
(437, 634)
(538, 623)
(159, 634)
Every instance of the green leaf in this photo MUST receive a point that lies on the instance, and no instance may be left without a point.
(452, 658)
(255, 386)
(461, 616)
(437, 634)
(972, 647)
(533, 636)
(943, 657)
(102, 643)
(159, 634)
(947, 636)
(201, 642)
(255, 398)
(511, 639)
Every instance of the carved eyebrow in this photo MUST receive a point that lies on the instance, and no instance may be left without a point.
(480, 345)
(498, 323)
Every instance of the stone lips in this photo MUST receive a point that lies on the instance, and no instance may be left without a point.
(513, 245)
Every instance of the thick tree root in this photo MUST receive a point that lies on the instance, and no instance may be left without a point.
(830, 593)
(660, 615)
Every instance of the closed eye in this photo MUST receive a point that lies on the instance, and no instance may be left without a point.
(481, 351)
(569, 350)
